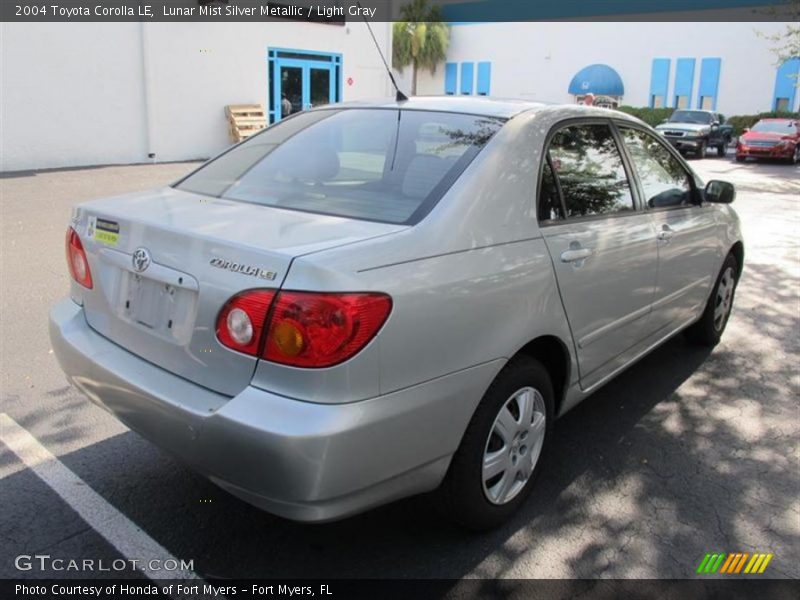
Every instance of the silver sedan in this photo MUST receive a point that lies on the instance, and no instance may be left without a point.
(369, 301)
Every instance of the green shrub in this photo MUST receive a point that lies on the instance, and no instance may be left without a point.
(651, 116)
(742, 122)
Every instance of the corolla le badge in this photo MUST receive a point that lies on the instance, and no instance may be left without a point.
(228, 265)
(140, 259)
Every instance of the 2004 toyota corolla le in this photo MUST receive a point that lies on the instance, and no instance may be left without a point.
(368, 301)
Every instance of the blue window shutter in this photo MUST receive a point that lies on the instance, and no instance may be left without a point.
(467, 77)
(684, 80)
(450, 78)
(786, 83)
(709, 81)
(484, 78)
(659, 81)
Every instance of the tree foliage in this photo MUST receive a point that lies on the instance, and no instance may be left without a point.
(786, 44)
(420, 39)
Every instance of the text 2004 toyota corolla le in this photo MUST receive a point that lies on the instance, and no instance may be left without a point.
(368, 301)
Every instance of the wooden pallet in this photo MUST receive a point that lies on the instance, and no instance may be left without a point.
(244, 120)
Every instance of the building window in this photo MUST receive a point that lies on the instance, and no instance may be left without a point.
(484, 78)
(467, 78)
(450, 78)
(684, 82)
(709, 83)
(783, 98)
(659, 82)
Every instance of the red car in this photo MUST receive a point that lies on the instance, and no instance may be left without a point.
(771, 138)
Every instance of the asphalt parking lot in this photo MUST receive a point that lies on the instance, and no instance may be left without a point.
(689, 452)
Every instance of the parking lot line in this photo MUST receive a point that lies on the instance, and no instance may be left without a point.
(119, 531)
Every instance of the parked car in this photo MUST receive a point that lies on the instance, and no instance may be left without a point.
(368, 301)
(771, 138)
(697, 130)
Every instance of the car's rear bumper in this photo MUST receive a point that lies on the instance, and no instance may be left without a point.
(303, 461)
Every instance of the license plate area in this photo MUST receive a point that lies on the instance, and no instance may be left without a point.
(165, 310)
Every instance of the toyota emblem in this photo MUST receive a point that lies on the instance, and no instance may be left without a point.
(140, 259)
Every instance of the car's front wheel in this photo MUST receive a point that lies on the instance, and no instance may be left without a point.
(500, 455)
(701, 149)
(722, 149)
(709, 329)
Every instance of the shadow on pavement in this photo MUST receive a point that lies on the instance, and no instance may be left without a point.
(688, 452)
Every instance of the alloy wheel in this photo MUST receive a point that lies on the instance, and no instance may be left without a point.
(514, 445)
(724, 299)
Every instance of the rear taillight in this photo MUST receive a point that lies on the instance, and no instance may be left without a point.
(306, 329)
(76, 259)
(310, 329)
(241, 322)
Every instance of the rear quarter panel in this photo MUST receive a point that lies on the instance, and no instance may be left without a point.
(471, 283)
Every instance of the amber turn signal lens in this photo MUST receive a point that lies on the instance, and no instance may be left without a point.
(288, 338)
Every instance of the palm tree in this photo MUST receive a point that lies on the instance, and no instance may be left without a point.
(420, 40)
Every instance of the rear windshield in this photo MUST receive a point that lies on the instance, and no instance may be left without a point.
(381, 165)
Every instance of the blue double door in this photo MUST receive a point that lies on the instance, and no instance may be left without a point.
(302, 84)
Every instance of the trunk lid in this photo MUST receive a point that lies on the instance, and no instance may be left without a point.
(165, 262)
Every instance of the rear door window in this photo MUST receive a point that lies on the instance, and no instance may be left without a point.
(381, 165)
(587, 162)
(550, 208)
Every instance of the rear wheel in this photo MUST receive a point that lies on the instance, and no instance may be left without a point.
(709, 329)
(722, 149)
(500, 456)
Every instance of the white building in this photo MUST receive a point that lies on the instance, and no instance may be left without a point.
(728, 67)
(100, 93)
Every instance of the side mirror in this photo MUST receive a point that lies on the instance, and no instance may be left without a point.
(664, 121)
(715, 125)
(720, 192)
(745, 130)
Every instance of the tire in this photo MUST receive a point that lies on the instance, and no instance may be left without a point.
(701, 150)
(709, 329)
(796, 156)
(722, 150)
(481, 500)
(740, 159)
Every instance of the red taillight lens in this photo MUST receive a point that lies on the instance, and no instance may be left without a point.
(309, 329)
(241, 322)
(76, 259)
(306, 329)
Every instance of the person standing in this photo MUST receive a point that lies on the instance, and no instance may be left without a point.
(286, 106)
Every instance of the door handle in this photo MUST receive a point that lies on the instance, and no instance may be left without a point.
(576, 255)
(666, 233)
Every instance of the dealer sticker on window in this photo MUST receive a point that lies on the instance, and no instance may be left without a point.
(103, 231)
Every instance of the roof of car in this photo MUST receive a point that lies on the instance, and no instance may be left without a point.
(474, 105)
